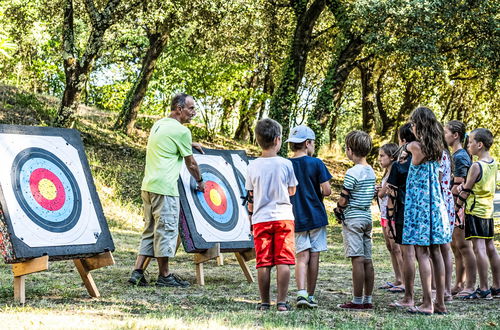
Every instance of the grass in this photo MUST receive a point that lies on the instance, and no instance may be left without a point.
(57, 299)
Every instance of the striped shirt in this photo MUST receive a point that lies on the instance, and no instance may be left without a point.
(360, 181)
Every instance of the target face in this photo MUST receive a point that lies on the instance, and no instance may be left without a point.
(46, 190)
(48, 195)
(218, 204)
(216, 215)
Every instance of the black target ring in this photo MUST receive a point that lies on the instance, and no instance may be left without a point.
(231, 216)
(65, 221)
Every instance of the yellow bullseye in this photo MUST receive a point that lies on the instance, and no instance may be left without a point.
(47, 189)
(215, 197)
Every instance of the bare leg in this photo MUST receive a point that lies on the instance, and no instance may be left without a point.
(424, 267)
(494, 262)
(358, 275)
(139, 262)
(264, 279)
(459, 263)
(408, 252)
(163, 265)
(312, 272)
(481, 261)
(394, 250)
(369, 277)
(469, 260)
(436, 254)
(283, 280)
(301, 267)
(448, 268)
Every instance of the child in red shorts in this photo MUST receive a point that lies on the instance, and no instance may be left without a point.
(270, 181)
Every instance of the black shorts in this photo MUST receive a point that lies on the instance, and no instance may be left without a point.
(476, 227)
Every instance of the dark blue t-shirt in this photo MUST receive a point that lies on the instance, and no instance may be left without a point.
(397, 177)
(462, 163)
(308, 208)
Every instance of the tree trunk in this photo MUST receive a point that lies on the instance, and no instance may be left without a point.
(294, 67)
(368, 97)
(128, 115)
(76, 69)
(329, 96)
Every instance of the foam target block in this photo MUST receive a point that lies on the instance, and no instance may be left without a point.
(216, 215)
(49, 204)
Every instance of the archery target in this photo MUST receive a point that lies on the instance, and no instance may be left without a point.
(240, 166)
(46, 190)
(218, 214)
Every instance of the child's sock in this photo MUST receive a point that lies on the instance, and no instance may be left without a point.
(357, 300)
(367, 300)
(302, 293)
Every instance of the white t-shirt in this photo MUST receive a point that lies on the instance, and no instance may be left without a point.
(269, 178)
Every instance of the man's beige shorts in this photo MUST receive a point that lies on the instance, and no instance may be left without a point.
(357, 233)
(161, 217)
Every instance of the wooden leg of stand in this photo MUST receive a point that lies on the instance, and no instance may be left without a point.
(244, 267)
(87, 278)
(19, 289)
(220, 260)
(200, 276)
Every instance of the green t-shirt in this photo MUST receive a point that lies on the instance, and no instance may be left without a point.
(169, 142)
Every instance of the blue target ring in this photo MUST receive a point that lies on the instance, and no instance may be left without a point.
(227, 220)
(25, 164)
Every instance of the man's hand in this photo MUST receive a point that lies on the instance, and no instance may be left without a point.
(198, 147)
(200, 186)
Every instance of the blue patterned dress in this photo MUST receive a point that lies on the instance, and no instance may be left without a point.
(426, 220)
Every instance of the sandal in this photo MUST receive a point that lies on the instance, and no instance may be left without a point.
(479, 294)
(263, 307)
(283, 306)
(462, 294)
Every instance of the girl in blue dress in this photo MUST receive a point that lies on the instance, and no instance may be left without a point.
(427, 224)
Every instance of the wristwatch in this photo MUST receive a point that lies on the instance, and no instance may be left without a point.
(200, 180)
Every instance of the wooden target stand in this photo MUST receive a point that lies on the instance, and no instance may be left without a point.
(214, 253)
(83, 265)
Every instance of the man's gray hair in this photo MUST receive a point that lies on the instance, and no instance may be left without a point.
(179, 100)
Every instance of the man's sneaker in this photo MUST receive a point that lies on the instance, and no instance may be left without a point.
(313, 303)
(172, 280)
(303, 302)
(352, 306)
(137, 278)
(368, 306)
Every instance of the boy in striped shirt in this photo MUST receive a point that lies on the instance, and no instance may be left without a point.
(353, 211)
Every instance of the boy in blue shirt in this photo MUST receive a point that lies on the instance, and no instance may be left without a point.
(310, 213)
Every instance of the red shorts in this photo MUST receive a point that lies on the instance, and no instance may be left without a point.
(274, 243)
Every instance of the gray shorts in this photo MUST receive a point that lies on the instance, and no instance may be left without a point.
(161, 225)
(357, 233)
(314, 239)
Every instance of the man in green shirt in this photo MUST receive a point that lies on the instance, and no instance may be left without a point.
(169, 144)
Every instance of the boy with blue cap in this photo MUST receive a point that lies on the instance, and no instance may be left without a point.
(310, 213)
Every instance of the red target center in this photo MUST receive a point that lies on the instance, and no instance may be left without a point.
(41, 182)
(215, 197)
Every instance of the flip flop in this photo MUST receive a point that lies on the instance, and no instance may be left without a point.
(441, 313)
(387, 285)
(397, 304)
(396, 289)
(417, 311)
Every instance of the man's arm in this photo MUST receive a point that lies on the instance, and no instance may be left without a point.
(194, 170)
(198, 147)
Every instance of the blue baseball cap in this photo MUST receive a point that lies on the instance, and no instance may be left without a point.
(301, 133)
